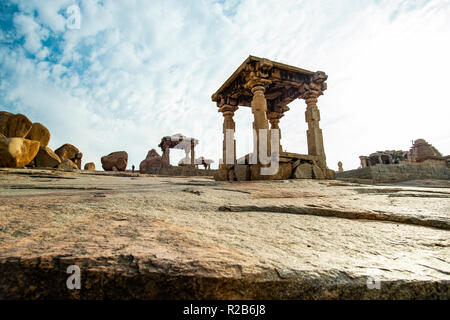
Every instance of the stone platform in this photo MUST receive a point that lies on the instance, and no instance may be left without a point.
(152, 237)
(181, 171)
(291, 165)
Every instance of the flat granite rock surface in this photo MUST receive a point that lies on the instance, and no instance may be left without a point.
(158, 237)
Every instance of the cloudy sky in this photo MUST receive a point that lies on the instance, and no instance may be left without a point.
(135, 71)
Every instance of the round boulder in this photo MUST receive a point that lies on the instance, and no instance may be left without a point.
(70, 152)
(303, 171)
(152, 161)
(14, 125)
(118, 159)
(90, 166)
(17, 152)
(39, 132)
(46, 158)
(67, 151)
(67, 165)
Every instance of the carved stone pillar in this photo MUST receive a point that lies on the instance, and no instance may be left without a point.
(274, 119)
(165, 156)
(313, 89)
(259, 110)
(314, 133)
(363, 161)
(229, 126)
(192, 153)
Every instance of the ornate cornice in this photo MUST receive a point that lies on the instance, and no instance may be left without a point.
(315, 86)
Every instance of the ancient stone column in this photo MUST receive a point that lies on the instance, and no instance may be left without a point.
(192, 153)
(229, 126)
(363, 161)
(165, 156)
(274, 119)
(314, 133)
(259, 110)
(314, 88)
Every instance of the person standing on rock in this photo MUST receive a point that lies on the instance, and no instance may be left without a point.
(132, 168)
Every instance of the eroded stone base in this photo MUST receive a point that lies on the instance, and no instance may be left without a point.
(290, 166)
(181, 171)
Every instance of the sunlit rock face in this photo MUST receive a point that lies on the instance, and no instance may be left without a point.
(196, 238)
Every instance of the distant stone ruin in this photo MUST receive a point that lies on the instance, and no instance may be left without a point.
(422, 161)
(178, 141)
(188, 166)
(421, 152)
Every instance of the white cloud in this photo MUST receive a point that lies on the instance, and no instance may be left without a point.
(31, 31)
(138, 71)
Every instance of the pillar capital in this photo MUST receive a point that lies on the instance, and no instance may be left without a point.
(314, 86)
(228, 110)
(272, 116)
(256, 84)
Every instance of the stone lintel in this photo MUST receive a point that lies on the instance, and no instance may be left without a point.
(283, 83)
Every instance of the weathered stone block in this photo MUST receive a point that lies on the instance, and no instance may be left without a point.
(317, 173)
(295, 164)
(67, 165)
(255, 173)
(329, 174)
(284, 171)
(242, 172)
(90, 166)
(46, 158)
(231, 175)
(303, 171)
(221, 175)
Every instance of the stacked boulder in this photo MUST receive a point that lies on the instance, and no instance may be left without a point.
(71, 154)
(290, 166)
(153, 161)
(115, 161)
(23, 143)
(17, 146)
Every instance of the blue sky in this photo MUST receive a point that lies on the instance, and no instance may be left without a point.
(138, 70)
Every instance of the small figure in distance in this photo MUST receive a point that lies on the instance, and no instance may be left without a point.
(132, 168)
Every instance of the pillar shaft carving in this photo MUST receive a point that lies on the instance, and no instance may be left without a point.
(274, 119)
(192, 154)
(259, 110)
(229, 141)
(313, 89)
(165, 157)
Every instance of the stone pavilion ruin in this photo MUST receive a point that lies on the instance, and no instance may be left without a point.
(178, 141)
(267, 87)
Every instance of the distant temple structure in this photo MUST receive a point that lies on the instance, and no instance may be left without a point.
(420, 152)
(178, 141)
(188, 166)
(422, 161)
